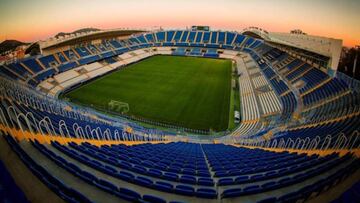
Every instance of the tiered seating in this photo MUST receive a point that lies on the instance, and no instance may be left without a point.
(248, 42)
(287, 98)
(9, 191)
(89, 59)
(19, 69)
(184, 37)
(102, 47)
(229, 38)
(45, 74)
(67, 66)
(303, 68)
(61, 57)
(312, 78)
(221, 38)
(279, 85)
(211, 53)
(56, 185)
(177, 36)
(6, 72)
(214, 36)
(199, 36)
(169, 36)
(259, 81)
(338, 107)
(149, 38)
(269, 102)
(47, 61)
(191, 37)
(333, 87)
(82, 51)
(239, 39)
(33, 65)
(255, 44)
(346, 126)
(160, 36)
(268, 72)
(179, 51)
(177, 170)
(206, 37)
(289, 104)
(239, 172)
(293, 64)
(70, 54)
(196, 51)
(115, 44)
(318, 85)
(241, 167)
(351, 195)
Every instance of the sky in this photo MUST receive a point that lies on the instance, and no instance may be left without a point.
(32, 20)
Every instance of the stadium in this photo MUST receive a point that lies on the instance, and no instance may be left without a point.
(179, 115)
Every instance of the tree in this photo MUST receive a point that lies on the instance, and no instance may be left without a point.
(347, 60)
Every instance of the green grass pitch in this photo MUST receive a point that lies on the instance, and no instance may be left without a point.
(189, 92)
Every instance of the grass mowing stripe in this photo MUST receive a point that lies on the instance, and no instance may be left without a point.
(185, 91)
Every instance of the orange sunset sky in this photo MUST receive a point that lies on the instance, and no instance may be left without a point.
(31, 20)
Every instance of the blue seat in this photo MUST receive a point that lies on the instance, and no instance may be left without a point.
(187, 179)
(185, 190)
(129, 195)
(88, 176)
(139, 169)
(189, 171)
(154, 173)
(170, 176)
(166, 187)
(125, 176)
(252, 189)
(153, 199)
(291, 197)
(174, 169)
(143, 181)
(270, 185)
(206, 181)
(107, 186)
(206, 193)
(76, 195)
(268, 200)
(220, 173)
(231, 193)
(234, 172)
(124, 165)
(257, 177)
(242, 179)
(225, 181)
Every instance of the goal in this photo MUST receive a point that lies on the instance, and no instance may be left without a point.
(118, 106)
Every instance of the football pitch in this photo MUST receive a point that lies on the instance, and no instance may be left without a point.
(188, 92)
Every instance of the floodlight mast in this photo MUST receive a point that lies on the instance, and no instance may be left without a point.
(355, 60)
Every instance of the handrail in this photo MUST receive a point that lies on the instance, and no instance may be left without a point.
(338, 142)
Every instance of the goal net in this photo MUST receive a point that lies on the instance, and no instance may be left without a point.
(118, 106)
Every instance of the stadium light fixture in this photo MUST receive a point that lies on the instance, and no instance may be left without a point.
(355, 60)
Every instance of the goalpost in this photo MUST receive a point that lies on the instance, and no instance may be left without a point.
(118, 106)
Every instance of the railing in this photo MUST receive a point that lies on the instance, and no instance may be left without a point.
(336, 142)
(38, 101)
(351, 82)
(46, 126)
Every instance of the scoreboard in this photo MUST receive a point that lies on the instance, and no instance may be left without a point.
(200, 28)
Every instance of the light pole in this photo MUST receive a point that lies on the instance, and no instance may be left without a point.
(355, 60)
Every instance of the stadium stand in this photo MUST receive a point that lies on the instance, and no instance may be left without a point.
(297, 141)
(9, 191)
